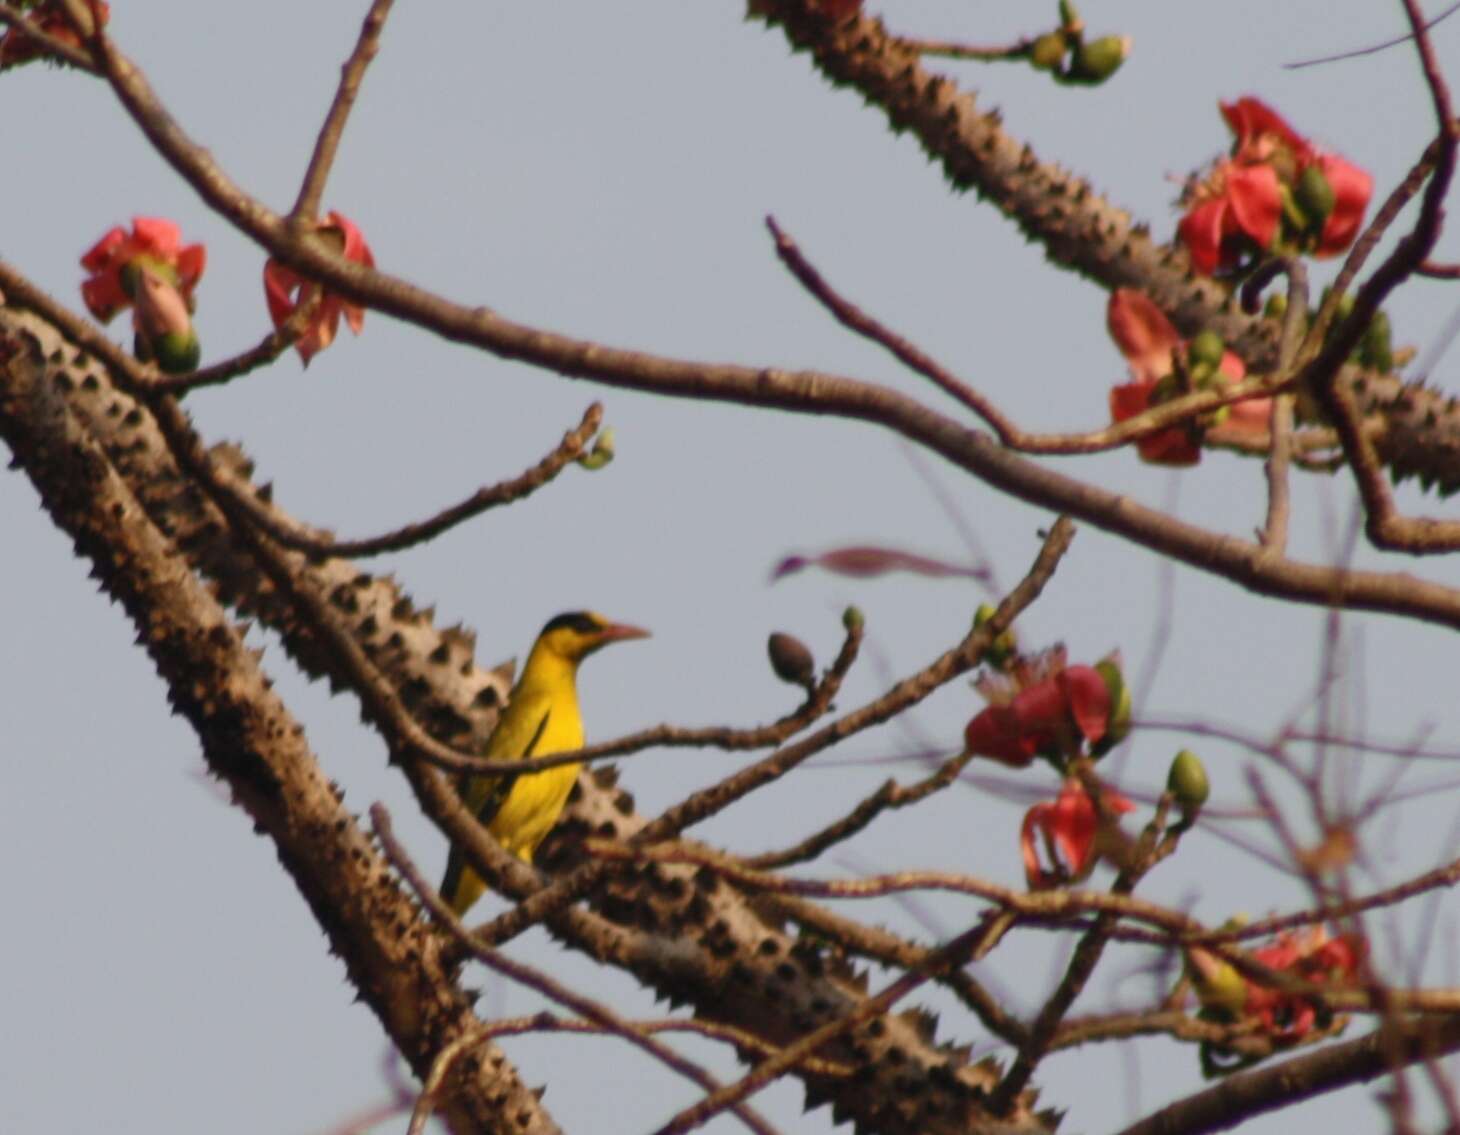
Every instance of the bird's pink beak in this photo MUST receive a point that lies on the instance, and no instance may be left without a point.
(617, 632)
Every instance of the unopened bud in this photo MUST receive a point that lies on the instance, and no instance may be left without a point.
(1377, 349)
(1004, 647)
(601, 453)
(177, 352)
(791, 660)
(852, 619)
(1070, 17)
(1314, 195)
(1117, 725)
(1206, 349)
(1096, 61)
(1188, 782)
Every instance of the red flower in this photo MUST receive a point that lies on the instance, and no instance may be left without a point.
(113, 261)
(1149, 343)
(284, 288)
(1312, 956)
(50, 17)
(1069, 826)
(1269, 196)
(1237, 207)
(1043, 707)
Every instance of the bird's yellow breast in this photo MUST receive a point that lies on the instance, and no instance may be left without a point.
(536, 799)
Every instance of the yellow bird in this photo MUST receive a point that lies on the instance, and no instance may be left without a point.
(541, 717)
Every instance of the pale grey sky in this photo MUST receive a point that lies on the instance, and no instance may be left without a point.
(603, 170)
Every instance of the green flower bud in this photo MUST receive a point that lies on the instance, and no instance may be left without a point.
(1047, 52)
(1096, 61)
(1315, 197)
(1070, 17)
(1276, 306)
(791, 660)
(1188, 781)
(1167, 387)
(175, 352)
(1377, 349)
(1117, 725)
(1206, 349)
(853, 619)
(1002, 648)
(601, 453)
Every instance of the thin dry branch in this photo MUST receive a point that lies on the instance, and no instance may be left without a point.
(327, 143)
(319, 545)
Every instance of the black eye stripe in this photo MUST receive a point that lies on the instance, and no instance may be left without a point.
(580, 621)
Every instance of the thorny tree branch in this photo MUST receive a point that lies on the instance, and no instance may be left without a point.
(535, 979)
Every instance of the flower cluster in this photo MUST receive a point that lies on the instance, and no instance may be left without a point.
(1275, 193)
(285, 289)
(151, 271)
(1039, 706)
(50, 17)
(1154, 352)
(1312, 956)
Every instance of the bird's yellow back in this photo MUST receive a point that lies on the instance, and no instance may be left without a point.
(541, 718)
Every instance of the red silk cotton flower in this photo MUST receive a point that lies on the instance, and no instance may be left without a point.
(154, 243)
(1150, 345)
(1044, 706)
(284, 289)
(1069, 826)
(50, 17)
(1277, 192)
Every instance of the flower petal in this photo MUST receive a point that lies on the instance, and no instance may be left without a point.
(1201, 231)
(1142, 332)
(1352, 188)
(1256, 201)
(1088, 699)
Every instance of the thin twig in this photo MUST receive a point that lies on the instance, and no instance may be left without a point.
(306, 206)
(1359, 52)
(953, 49)
(1280, 421)
(320, 545)
(269, 348)
(887, 798)
(1148, 422)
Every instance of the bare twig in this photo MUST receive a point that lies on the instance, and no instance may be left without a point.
(887, 798)
(320, 545)
(306, 206)
(1372, 49)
